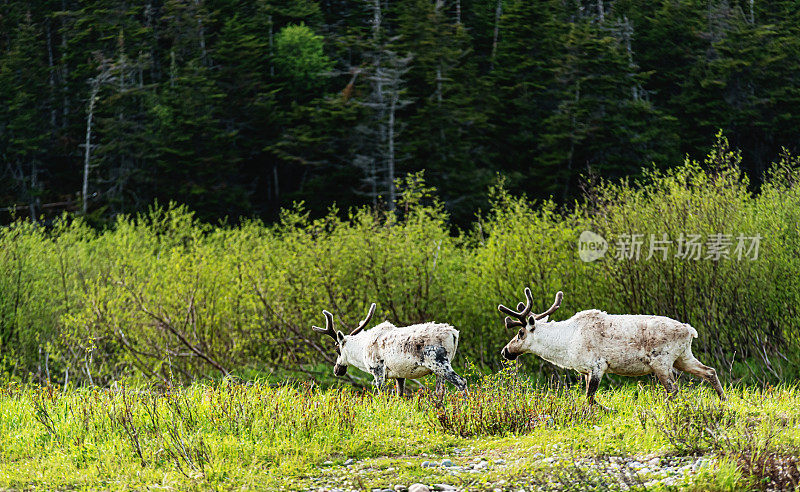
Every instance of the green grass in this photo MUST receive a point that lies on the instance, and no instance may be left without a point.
(233, 436)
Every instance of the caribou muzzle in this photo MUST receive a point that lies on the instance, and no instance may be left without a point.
(339, 370)
(507, 354)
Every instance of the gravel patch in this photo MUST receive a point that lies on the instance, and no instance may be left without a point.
(609, 472)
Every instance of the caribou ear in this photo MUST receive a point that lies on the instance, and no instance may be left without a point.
(340, 337)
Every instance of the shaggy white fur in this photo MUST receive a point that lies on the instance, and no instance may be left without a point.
(408, 352)
(594, 342)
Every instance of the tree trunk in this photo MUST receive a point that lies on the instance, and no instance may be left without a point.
(271, 46)
(32, 196)
(87, 153)
(51, 76)
(275, 182)
(201, 35)
(571, 155)
(64, 68)
(498, 12)
(390, 156)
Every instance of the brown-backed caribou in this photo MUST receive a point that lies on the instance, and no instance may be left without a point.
(594, 343)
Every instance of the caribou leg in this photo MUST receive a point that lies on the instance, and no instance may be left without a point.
(379, 373)
(688, 363)
(664, 374)
(592, 383)
(401, 386)
(435, 359)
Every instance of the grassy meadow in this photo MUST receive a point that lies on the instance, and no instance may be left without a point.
(229, 435)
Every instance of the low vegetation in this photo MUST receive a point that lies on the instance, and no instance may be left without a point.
(230, 435)
(163, 297)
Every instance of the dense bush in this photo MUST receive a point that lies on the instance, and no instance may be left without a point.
(166, 297)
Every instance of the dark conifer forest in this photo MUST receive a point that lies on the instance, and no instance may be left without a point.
(239, 108)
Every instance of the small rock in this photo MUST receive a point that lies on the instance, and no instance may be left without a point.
(500, 462)
(400, 488)
(447, 463)
(328, 463)
(348, 461)
(426, 464)
(644, 471)
(481, 466)
(444, 487)
(418, 487)
(635, 464)
(537, 456)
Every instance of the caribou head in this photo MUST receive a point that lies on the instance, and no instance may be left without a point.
(340, 368)
(523, 318)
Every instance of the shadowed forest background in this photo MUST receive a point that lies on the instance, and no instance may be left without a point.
(240, 108)
(432, 156)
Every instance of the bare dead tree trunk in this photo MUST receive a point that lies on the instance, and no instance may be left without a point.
(601, 11)
(88, 144)
(439, 84)
(571, 155)
(51, 76)
(438, 6)
(378, 159)
(271, 45)
(64, 67)
(275, 182)
(32, 195)
(752, 12)
(390, 156)
(498, 12)
(627, 34)
(377, 19)
(201, 34)
(172, 67)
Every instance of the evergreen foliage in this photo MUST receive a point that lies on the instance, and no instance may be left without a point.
(239, 108)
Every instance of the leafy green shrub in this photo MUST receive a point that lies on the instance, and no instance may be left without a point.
(502, 404)
(165, 297)
(695, 423)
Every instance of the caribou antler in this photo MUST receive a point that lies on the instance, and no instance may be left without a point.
(556, 305)
(521, 315)
(524, 310)
(364, 321)
(328, 330)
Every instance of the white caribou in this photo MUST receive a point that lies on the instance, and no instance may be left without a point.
(594, 343)
(390, 352)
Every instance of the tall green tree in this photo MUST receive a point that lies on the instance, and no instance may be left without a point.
(25, 128)
(604, 123)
